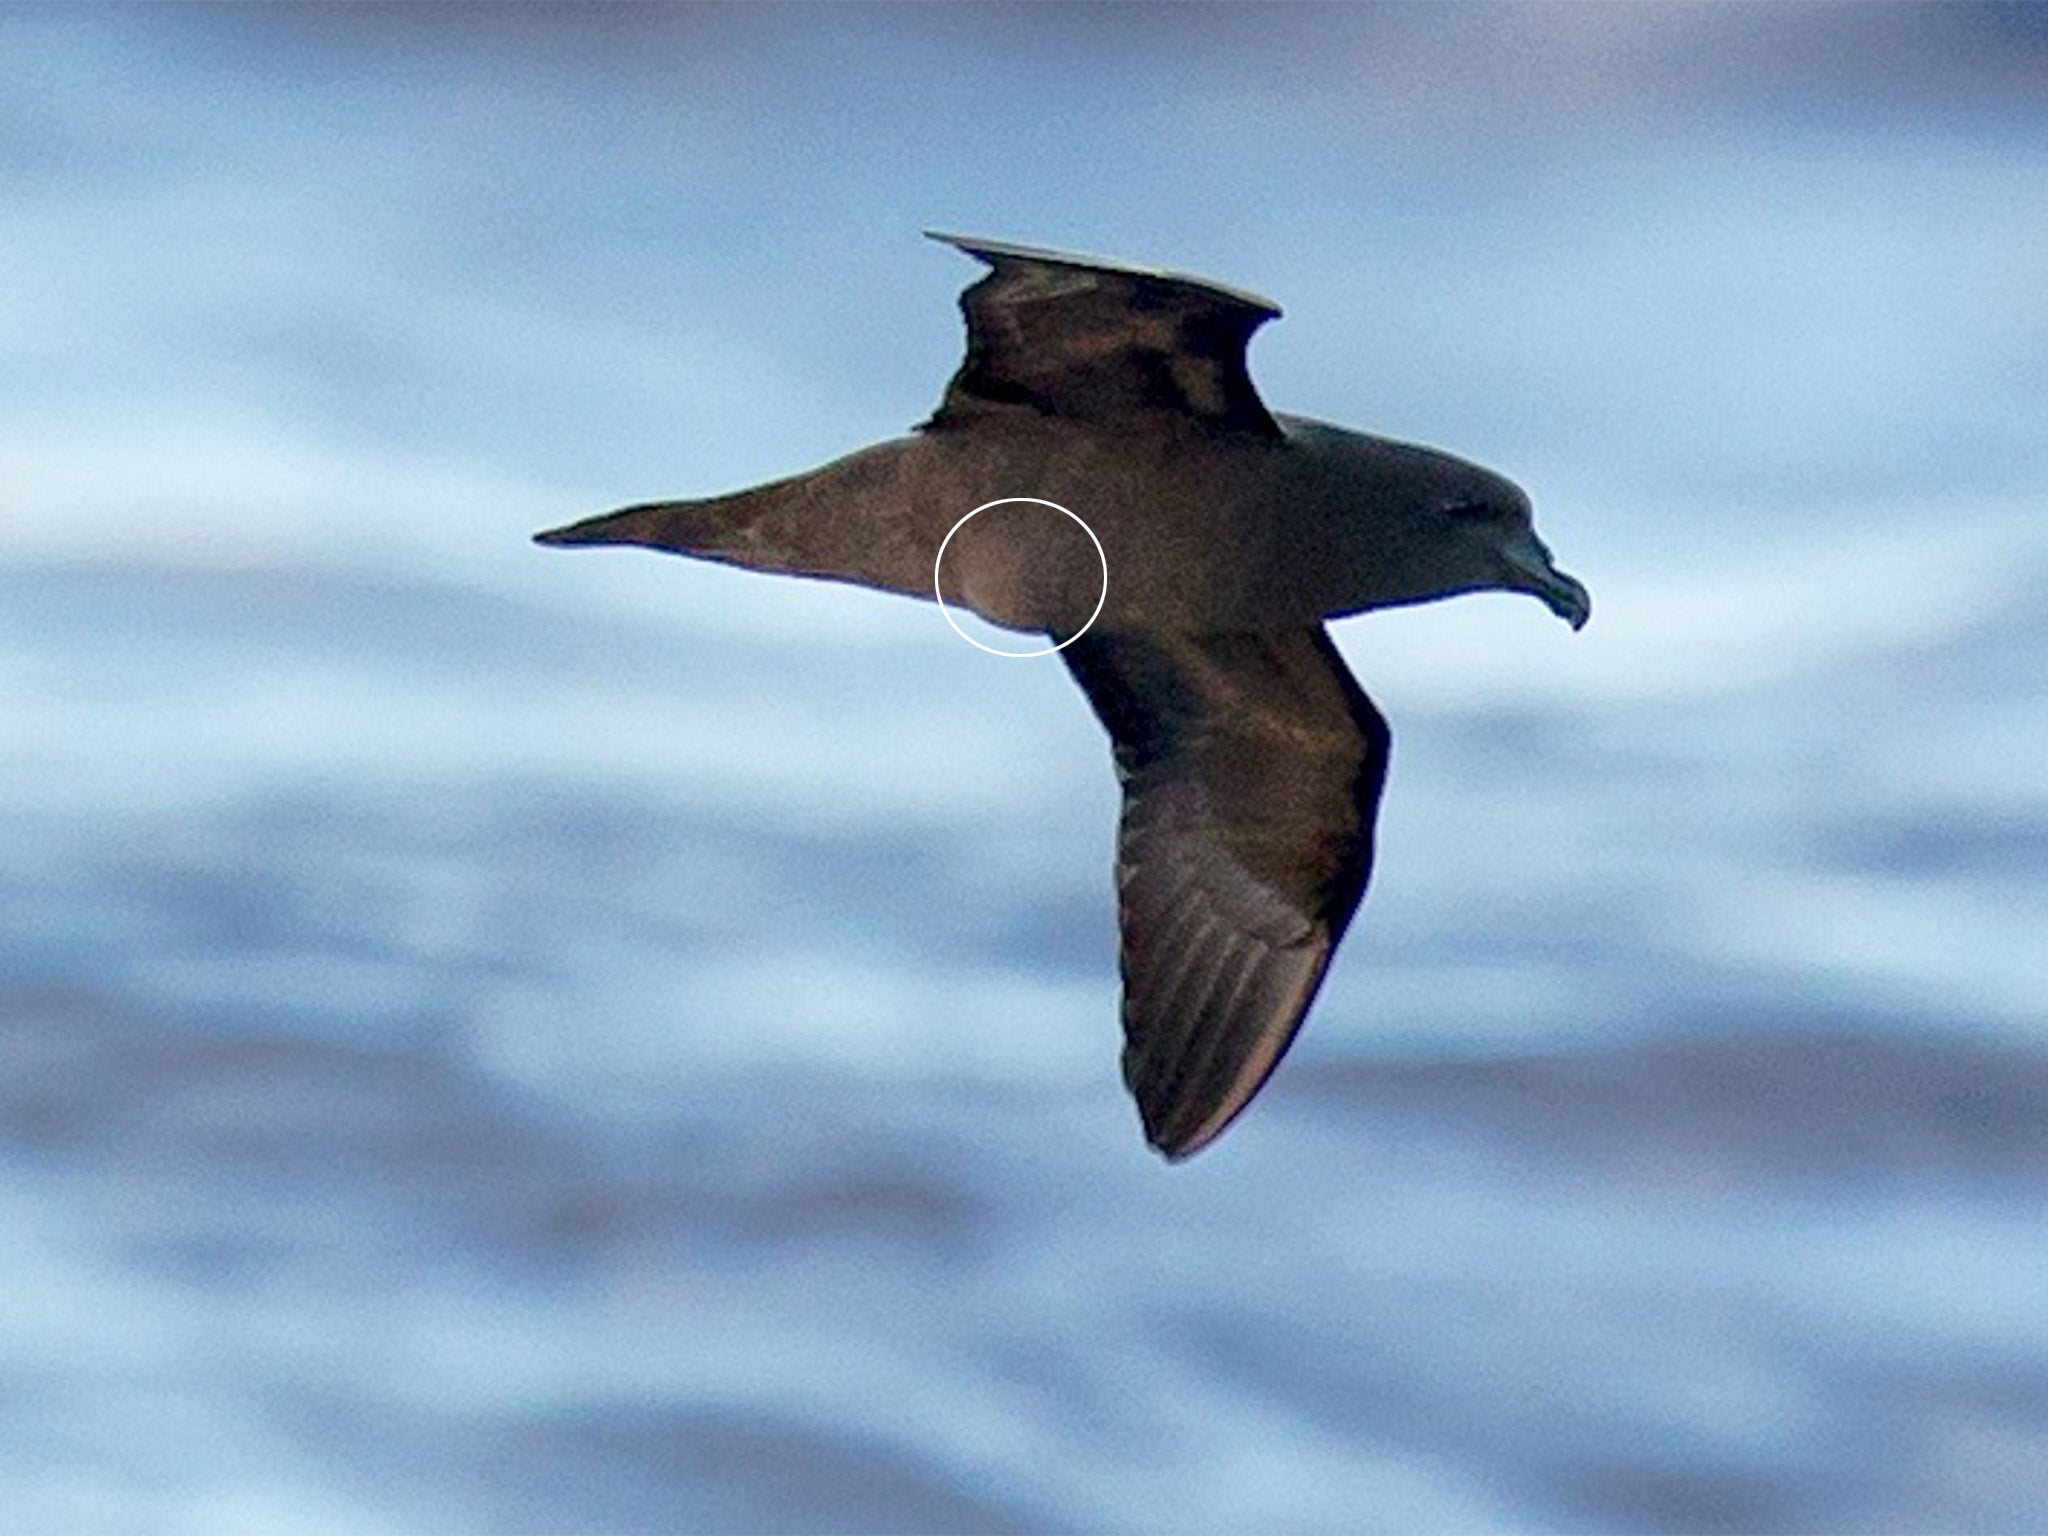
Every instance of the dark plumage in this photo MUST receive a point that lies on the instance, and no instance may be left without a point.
(1251, 762)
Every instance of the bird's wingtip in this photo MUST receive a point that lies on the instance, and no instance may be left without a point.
(623, 527)
(1174, 1140)
(970, 245)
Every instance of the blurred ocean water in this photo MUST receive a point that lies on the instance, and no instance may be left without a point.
(493, 1040)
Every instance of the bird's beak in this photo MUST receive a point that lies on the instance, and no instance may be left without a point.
(1534, 571)
(1568, 598)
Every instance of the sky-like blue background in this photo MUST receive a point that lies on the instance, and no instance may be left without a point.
(493, 1040)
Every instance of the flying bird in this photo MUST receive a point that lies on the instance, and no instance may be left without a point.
(1224, 535)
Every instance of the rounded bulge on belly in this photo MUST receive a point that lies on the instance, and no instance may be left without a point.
(1024, 565)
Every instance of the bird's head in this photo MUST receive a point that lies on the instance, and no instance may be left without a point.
(1448, 525)
(1491, 521)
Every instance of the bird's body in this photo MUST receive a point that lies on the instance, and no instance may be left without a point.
(1251, 761)
(1198, 531)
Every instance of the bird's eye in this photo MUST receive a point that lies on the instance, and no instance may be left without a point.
(1470, 511)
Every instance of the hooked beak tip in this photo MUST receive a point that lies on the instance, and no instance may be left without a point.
(1572, 603)
(1566, 597)
(1530, 569)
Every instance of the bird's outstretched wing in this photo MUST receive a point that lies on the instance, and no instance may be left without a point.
(1252, 766)
(1098, 341)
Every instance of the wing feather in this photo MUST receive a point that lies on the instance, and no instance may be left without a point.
(1252, 767)
(1103, 342)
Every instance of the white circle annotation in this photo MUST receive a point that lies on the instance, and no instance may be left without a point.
(1001, 501)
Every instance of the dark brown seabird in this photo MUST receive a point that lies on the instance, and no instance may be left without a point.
(1251, 762)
